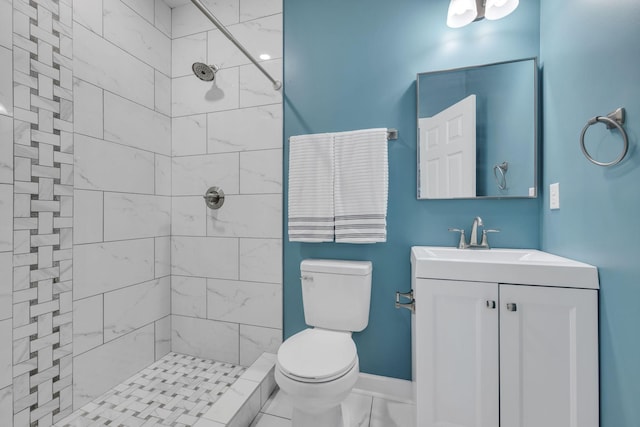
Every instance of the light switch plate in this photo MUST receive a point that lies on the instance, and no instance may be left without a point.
(554, 196)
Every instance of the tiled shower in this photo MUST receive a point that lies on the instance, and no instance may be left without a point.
(109, 258)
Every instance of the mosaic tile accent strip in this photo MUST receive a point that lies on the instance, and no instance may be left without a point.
(43, 208)
(174, 391)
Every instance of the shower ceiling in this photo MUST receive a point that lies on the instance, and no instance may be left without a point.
(176, 3)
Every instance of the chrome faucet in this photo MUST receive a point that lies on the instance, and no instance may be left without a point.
(473, 239)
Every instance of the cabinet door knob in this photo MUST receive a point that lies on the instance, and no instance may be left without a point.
(491, 304)
(512, 306)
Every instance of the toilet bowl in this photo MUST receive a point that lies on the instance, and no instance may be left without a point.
(317, 368)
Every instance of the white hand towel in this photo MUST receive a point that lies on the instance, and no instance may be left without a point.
(311, 205)
(361, 185)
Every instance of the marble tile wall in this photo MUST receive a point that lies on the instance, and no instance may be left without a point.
(122, 203)
(36, 126)
(104, 131)
(226, 284)
(6, 212)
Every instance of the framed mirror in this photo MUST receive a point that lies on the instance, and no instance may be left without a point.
(478, 131)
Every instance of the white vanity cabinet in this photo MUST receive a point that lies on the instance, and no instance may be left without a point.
(457, 351)
(488, 354)
(548, 357)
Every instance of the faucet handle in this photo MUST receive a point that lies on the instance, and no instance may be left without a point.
(485, 242)
(462, 244)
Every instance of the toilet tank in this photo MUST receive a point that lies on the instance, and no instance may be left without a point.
(336, 294)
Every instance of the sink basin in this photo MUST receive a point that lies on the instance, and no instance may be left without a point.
(518, 266)
(478, 255)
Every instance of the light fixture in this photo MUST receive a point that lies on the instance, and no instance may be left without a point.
(265, 56)
(464, 12)
(461, 13)
(496, 9)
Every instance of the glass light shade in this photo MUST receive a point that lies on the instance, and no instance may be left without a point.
(496, 9)
(461, 13)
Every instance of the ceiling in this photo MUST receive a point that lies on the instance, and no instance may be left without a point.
(176, 3)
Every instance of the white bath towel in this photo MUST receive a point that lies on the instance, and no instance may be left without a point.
(311, 170)
(361, 185)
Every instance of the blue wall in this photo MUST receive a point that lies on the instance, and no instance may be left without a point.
(352, 65)
(590, 54)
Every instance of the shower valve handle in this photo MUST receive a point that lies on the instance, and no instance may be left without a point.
(214, 197)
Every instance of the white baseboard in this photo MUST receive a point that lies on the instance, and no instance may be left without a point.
(385, 387)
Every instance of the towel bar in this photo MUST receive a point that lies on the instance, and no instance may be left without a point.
(392, 134)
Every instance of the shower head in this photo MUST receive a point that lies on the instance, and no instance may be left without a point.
(204, 72)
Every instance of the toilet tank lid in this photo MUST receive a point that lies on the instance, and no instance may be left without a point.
(335, 266)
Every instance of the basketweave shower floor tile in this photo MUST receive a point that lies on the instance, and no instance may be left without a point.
(174, 391)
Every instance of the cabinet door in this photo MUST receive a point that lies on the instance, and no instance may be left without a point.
(548, 357)
(457, 353)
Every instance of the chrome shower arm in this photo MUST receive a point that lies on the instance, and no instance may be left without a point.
(277, 84)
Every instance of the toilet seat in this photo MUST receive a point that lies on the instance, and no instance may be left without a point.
(317, 355)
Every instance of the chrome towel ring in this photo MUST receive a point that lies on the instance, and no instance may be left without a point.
(614, 119)
(501, 181)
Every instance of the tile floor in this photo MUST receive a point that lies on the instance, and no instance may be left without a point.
(174, 391)
(180, 391)
(365, 410)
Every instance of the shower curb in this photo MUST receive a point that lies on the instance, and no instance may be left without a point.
(241, 403)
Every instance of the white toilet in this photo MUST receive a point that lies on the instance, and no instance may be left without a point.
(317, 368)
